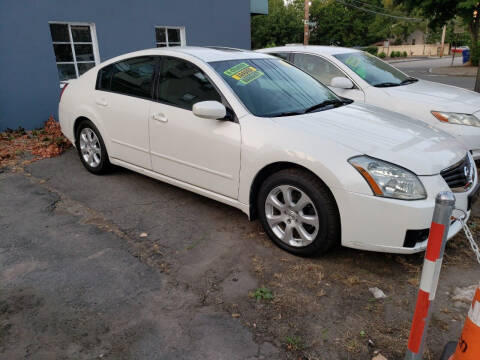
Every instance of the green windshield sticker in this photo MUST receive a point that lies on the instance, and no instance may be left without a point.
(352, 61)
(244, 73)
(356, 65)
(235, 69)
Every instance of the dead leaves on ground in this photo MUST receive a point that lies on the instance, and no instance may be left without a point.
(21, 147)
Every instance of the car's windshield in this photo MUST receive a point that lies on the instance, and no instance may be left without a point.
(271, 87)
(373, 70)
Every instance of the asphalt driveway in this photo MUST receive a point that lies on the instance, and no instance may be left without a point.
(125, 267)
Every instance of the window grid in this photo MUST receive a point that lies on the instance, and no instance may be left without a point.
(72, 44)
(168, 43)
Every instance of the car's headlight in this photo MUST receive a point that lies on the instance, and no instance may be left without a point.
(389, 180)
(455, 118)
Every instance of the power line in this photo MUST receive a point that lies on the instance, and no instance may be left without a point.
(379, 13)
(368, 5)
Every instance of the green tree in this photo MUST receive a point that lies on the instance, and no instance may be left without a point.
(388, 27)
(439, 12)
(338, 24)
(281, 26)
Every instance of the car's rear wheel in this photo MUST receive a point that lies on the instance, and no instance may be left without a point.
(298, 212)
(91, 148)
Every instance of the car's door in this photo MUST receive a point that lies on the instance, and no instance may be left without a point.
(123, 96)
(201, 152)
(324, 71)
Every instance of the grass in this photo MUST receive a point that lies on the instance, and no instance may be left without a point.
(193, 244)
(294, 343)
(263, 293)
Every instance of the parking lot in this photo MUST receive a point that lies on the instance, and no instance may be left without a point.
(125, 267)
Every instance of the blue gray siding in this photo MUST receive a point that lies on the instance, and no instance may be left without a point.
(29, 82)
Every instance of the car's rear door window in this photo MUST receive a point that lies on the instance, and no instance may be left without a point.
(183, 84)
(132, 77)
(284, 56)
(104, 78)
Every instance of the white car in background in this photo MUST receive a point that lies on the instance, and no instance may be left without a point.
(254, 132)
(362, 77)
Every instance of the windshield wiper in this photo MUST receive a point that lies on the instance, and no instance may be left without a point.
(409, 81)
(387, 84)
(404, 82)
(335, 102)
(286, 113)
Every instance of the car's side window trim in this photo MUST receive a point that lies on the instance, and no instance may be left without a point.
(155, 74)
(156, 96)
(292, 58)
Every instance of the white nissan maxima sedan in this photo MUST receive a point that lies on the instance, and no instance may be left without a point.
(362, 77)
(254, 132)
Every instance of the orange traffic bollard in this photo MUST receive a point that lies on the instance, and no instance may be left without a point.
(468, 346)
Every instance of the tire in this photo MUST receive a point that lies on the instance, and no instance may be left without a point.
(91, 149)
(309, 196)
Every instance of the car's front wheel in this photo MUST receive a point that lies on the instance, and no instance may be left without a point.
(298, 212)
(91, 148)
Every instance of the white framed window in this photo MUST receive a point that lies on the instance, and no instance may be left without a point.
(76, 48)
(166, 36)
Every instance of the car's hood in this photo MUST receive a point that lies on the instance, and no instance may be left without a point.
(381, 134)
(441, 97)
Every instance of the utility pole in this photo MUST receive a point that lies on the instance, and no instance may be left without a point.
(477, 81)
(306, 30)
(443, 40)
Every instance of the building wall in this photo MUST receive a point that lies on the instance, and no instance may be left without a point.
(416, 50)
(29, 81)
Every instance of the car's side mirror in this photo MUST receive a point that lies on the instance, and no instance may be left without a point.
(210, 110)
(340, 82)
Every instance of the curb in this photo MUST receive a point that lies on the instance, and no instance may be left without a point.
(412, 59)
(404, 60)
(445, 71)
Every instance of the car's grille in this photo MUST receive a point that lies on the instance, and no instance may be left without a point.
(459, 176)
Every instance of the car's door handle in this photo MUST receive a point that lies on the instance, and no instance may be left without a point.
(159, 117)
(101, 102)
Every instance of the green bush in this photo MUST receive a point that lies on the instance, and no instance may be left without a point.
(404, 54)
(371, 49)
(393, 54)
(271, 44)
(382, 55)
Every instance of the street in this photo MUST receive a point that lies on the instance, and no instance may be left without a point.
(420, 69)
(125, 267)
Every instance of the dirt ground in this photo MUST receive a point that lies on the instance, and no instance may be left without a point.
(125, 267)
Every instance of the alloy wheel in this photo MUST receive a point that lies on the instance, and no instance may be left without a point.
(292, 216)
(90, 147)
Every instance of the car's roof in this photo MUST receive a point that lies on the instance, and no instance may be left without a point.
(326, 50)
(207, 54)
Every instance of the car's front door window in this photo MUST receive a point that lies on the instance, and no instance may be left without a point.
(321, 69)
(183, 84)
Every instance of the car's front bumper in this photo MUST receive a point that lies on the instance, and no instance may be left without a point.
(380, 224)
